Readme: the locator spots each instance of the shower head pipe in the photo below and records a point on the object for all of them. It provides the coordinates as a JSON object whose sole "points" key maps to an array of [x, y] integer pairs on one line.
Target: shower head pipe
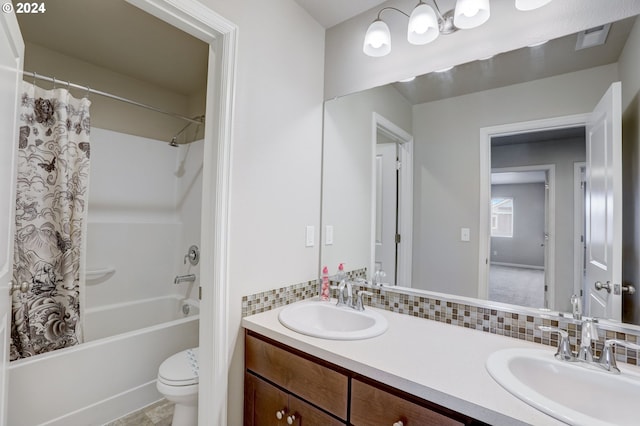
{"points": [[174, 139]]}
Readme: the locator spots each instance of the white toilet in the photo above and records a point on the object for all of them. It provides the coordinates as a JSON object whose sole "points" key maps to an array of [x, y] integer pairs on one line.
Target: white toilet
{"points": [[178, 382]]}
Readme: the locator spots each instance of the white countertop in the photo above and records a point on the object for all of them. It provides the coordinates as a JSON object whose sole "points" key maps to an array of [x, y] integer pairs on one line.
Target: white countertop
{"points": [[438, 362]]}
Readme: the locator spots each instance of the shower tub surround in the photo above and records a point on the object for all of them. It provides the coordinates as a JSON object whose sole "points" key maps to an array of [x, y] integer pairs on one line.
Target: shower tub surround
{"points": [[497, 319], [76, 386]]}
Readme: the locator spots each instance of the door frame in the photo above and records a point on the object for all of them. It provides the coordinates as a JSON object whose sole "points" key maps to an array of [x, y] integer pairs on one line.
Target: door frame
{"points": [[405, 195], [486, 133], [578, 226], [205, 24], [550, 224], [11, 30]]}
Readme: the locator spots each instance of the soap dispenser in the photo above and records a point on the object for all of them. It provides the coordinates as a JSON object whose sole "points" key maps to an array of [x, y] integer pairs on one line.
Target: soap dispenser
{"points": [[324, 289]]}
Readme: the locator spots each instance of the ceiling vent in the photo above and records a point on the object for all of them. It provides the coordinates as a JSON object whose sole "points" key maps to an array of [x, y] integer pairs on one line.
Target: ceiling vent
{"points": [[592, 37]]}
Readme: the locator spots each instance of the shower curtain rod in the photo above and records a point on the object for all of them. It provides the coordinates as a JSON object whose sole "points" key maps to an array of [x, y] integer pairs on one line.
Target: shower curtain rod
{"points": [[109, 95]]}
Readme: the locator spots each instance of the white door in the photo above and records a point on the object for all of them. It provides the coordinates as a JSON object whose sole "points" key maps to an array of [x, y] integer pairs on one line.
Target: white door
{"points": [[603, 213], [386, 209], [11, 57]]}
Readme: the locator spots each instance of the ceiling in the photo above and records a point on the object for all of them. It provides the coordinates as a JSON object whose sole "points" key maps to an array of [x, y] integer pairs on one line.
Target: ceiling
{"points": [[556, 57], [332, 12], [114, 35], [117, 36]]}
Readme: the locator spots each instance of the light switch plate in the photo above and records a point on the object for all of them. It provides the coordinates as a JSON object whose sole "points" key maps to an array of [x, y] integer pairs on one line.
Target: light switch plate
{"points": [[465, 234], [310, 236], [328, 239]]}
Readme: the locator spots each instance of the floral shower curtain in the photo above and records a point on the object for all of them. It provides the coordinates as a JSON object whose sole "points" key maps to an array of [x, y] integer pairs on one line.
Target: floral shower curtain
{"points": [[51, 209]]}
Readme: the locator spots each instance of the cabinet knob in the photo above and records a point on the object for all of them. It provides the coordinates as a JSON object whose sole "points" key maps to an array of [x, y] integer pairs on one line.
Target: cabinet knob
{"points": [[398, 423], [279, 414], [291, 419]]}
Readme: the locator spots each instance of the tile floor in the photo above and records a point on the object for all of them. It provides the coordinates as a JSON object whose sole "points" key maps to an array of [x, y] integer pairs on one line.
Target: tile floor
{"points": [[158, 414]]}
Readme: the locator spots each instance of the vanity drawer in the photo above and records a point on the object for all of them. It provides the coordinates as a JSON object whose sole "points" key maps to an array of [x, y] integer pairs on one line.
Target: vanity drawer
{"points": [[373, 406], [326, 388]]}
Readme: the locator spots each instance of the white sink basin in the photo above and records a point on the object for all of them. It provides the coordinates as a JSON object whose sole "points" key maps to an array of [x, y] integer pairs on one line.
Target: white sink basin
{"points": [[575, 393], [327, 321]]}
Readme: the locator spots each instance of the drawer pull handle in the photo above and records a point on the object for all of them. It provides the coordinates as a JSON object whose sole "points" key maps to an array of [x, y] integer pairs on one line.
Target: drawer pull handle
{"points": [[279, 414], [398, 423], [291, 419]]}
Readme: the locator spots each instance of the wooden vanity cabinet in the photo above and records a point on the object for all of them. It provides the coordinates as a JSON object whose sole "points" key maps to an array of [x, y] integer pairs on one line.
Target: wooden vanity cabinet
{"points": [[266, 405], [279, 379], [371, 405], [316, 394]]}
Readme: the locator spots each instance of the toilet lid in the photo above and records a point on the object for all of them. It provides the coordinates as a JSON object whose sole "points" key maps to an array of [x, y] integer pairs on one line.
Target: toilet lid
{"points": [[180, 369]]}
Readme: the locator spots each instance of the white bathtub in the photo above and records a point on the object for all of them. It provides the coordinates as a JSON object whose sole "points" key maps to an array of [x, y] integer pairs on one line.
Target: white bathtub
{"points": [[110, 375]]}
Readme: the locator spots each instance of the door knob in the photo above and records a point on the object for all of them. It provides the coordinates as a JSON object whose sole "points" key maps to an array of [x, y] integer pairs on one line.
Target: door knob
{"points": [[605, 286], [629, 289], [280, 414], [291, 419]]}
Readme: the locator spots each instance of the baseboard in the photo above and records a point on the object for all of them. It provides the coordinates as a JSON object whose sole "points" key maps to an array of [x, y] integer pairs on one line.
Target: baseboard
{"points": [[112, 408], [518, 265]]}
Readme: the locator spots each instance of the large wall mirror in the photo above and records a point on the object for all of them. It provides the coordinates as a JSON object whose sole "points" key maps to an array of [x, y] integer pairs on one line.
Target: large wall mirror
{"points": [[475, 181]]}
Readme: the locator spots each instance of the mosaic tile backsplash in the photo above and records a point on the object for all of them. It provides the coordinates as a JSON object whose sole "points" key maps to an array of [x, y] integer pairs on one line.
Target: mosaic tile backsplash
{"points": [[523, 326]]}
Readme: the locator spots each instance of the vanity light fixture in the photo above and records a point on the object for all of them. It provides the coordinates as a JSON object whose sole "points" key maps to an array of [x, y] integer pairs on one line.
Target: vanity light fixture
{"points": [[427, 22]]}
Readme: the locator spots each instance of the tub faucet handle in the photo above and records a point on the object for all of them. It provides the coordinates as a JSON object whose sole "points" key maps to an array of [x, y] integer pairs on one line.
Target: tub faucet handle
{"points": [[193, 255]]}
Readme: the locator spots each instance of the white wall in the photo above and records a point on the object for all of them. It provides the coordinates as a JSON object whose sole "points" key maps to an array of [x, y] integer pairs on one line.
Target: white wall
{"points": [[141, 216], [277, 140], [629, 65], [446, 156], [348, 69], [348, 162], [112, 114]]}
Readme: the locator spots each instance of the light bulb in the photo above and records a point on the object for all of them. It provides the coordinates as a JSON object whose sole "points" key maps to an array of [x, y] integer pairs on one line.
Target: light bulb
{"points": [[377, 41], [471, 13], [423, 25]]}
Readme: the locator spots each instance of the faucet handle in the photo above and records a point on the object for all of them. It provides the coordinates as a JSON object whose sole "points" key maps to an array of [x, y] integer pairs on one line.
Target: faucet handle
{"points": [[359, 302], [607, 359], [341, 300], [564, 352]]}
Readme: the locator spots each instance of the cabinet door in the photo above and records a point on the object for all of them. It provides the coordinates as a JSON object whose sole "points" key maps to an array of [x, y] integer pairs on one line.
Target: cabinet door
{"points": [[307, 415], [323, 386], [263, 402], [373, 406]]}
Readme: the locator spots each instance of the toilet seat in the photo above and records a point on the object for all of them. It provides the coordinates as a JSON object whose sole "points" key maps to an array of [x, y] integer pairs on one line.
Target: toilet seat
{"points": [[180, 369]]}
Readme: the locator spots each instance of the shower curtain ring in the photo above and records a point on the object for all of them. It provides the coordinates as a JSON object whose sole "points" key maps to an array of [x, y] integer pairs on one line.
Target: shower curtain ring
{"points": [[88, 91], [54, 83], [35, 76], [68, 85]]}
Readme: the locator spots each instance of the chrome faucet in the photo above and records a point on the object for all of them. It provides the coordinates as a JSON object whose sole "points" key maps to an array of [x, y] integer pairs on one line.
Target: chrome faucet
{"points": [[184, 279], [589, 334], [356, 303], [607, 359], [576, 304]]}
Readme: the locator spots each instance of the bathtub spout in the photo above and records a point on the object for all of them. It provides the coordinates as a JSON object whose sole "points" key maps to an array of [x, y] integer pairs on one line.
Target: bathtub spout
{"points": [[184, 279]]}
